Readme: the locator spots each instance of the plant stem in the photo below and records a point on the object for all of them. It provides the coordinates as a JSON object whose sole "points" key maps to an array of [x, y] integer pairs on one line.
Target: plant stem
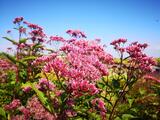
{"points": [[113, 109]]}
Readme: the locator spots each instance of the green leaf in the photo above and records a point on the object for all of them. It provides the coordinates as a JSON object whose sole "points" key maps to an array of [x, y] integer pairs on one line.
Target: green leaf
{"points": [[116, 83], [142, 91], [28, 58], [13, 59], [37, 46], [2, 113], [117, 118], [10, 57], [130, 101], [13, 41], [42, 97], [101, 85], [127, 116]]}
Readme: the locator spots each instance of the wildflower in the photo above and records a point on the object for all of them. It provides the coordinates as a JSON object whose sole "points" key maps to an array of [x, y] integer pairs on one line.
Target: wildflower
{"points": [[100, 106], [37, 111], [45, 84], [82, 87], [57, 38], [18, 20], [26, 113], [13, 105], [22, 30], [76, 33], [26, 89]]}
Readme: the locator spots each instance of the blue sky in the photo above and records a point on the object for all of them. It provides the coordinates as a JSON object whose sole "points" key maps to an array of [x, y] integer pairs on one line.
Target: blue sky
{"points": [[136, 20]]}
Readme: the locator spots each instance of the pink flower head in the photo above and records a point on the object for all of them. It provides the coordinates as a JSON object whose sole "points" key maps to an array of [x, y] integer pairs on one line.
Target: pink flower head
{"points": [[100, 106], [25, 112], [32, 26], [82, 87], [46, 84], [57, 38], [57, 65], [76, 33], [38, 111], [13, 105], [22, 30], [44, 59], [37, 33], [18, 20], [26, 89], [119, 41], [70, 113]]}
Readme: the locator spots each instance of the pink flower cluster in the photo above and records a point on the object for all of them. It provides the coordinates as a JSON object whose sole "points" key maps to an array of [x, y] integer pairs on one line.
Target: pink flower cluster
{"points": [[13, 105], [44, 59], [45, 84], [136, 56], [57, 38], [32, 26], [36, 32], [87, 60], [100, 105], [140, 60], [57, 65], [22, 30], [76, 33], [26, 89], [37, 111], [5, 65], [117, 44], [81, 63], [18, 20], [80, 88], [26, 113]]}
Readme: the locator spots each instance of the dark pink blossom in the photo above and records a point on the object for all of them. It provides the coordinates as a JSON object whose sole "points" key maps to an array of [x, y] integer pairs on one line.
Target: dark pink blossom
{"points": [[13, 105], [45, 84], [26, 113], [76, 33], [18, 20], [26, 89], [22, 30], [37, 110], [80, 88], [57, 38], [100, 106]]}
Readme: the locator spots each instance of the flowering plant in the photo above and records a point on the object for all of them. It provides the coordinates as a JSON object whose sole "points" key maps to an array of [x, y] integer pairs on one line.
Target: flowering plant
{"points": [[79, 80]]}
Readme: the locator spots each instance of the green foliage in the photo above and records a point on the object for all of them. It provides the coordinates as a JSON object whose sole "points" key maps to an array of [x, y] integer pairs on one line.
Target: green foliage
{"points": [[2, 114], [12, 41]]}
